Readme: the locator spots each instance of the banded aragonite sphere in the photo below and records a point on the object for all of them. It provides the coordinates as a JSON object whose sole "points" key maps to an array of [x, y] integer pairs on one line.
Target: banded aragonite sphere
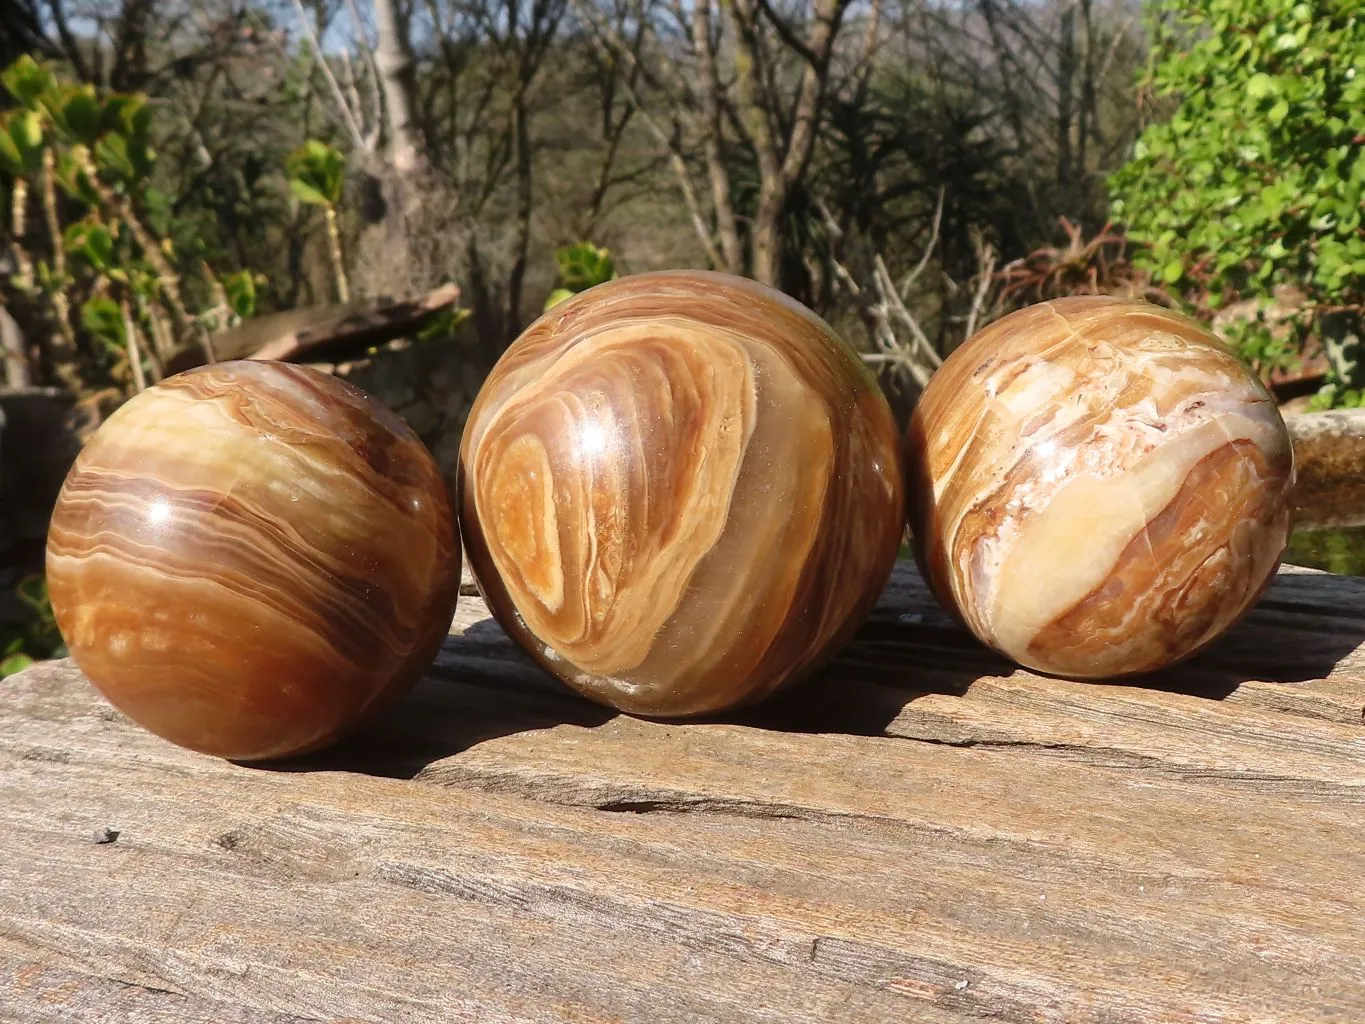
{"points": [[251, 558], [1097, 487], [679, 491]]}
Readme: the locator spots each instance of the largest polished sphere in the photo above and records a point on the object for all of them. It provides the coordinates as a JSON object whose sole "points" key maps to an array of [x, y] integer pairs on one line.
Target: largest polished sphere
{"points": [[250, 558], [1098, 487], [679, 491]]}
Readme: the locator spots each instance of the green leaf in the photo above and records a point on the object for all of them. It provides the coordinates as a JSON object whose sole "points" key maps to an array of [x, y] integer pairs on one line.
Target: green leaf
{"points": [[307, 193], [92, 243], [1256, 176], [111, 153], [21, 142], [159, 209], [445, 323], [14, 664], [317, 173], [32, 591], [557, 296], [27, 132], [584, 266], [128, 114], [1260, 86], [27, 80], [77, 113], [73, 180], [10, 160], [103, 318], [241, 293]]}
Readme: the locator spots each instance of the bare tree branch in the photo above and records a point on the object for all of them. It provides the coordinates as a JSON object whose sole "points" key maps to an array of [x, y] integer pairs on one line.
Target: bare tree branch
{"points": [[343, 108], [882, 309], [709, 85], [787, 33], [610, 42], [985, 277], [914, 274]]}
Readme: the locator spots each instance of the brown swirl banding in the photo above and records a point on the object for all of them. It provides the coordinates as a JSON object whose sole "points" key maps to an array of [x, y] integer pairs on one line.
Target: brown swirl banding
{"points": [[680, 491], [252, 557], [1098, 487]]}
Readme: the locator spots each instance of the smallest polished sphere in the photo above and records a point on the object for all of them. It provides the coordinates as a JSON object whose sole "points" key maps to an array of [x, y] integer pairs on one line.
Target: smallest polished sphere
{"points": [[1098, 487], [251, 558]]}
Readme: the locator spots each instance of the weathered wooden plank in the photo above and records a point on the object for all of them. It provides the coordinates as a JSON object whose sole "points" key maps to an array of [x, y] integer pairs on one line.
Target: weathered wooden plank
{"points": [[35, 994], [918, 834], [295, 892], [392, 901]]}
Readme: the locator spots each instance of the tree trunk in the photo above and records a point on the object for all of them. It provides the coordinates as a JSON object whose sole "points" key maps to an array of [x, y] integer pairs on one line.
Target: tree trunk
{"points": [[522, 142], [484, 300], [393, 55], [810, 101], [767, 242], [709, 86], [1013, 89], [1088, 116], [782, 165], [1066, 77], [754, 112], [136, 22]]}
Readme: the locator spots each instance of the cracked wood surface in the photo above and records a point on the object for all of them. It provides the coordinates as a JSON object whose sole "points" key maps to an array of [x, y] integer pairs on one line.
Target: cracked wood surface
{"points": [[919, 834]]}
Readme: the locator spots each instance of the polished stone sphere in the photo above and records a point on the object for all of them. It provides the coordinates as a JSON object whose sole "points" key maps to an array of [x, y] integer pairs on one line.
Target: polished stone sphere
{"points": [[251, 558], [679, 491], [1097, 487]]}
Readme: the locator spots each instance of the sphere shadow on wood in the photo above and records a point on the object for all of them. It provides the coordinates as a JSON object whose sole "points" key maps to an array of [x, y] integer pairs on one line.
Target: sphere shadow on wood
{"points": [[1097, 487], [251, 558], [679, 491]]}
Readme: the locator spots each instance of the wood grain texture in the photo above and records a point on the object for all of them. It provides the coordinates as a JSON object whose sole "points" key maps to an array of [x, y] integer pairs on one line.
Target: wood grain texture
{"points": [[680, 491], [317, 333], [1098, 487], [919, 833], [251, 557]]}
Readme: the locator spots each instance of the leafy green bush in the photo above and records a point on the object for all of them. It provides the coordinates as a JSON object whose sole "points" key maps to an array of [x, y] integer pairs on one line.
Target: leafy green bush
{"points": [[105, 269], [1256, 179], [581, 267]]}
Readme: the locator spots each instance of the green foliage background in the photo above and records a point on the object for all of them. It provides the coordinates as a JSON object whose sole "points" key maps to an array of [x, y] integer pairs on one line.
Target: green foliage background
{"points": [[1256, 178]]}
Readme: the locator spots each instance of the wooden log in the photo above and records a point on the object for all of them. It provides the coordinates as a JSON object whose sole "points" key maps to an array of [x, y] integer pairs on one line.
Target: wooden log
{"points": [[328, 333], [920, 833]]}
